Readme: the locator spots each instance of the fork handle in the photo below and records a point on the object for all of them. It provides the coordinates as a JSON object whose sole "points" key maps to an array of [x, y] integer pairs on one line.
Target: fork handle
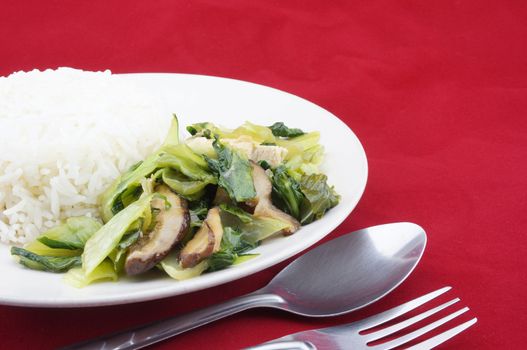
{"points": [[284, 345], [160, 330]]}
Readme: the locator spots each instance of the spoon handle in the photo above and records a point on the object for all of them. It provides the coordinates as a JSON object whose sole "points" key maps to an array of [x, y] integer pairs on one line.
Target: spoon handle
{"points": [[284, 345], [154, 332]]}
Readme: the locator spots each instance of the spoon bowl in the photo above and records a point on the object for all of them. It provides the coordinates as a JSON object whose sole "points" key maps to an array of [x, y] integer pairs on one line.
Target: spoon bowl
{"points": [[337, 277], [349, 272]]}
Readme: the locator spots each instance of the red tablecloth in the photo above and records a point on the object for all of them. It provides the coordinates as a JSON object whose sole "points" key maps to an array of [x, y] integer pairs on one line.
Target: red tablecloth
{"points": [[435, 90]]}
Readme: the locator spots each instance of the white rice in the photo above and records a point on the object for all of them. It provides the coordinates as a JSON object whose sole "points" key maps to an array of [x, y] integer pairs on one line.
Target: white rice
{"points": [[65, 135]]}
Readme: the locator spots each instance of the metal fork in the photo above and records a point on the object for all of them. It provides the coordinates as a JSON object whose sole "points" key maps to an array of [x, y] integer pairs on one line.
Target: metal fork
{"points": [[348, 336]]}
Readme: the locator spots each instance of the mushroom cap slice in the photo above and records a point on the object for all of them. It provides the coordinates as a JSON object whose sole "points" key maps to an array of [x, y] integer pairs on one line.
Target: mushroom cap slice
{"points": [[205, 242], [171, 225], [221, 197], [263, 205]]}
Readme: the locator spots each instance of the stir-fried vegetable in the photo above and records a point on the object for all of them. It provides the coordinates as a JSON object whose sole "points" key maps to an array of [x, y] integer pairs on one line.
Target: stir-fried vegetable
{"points": [[183, 185], [108, 237], [45, 263], [73, 234], [172, 267], [127, 188], [281, 130], [105, 271], [242, 215], [320, 197], [233, 245], [193, 207], [41, 249], [252, 229], [306, 200], [286, 192], [234, 173], [258, 133]]}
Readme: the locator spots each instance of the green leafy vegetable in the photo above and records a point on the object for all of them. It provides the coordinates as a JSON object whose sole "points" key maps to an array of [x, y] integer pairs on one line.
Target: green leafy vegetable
{"points": [[199, 128], [243, 258], [78, 278], [42, 249], [72, 234], [286, 192], [255, 230], [281, 130], [305, 163], [45, 263], [132, 235], [258, 133], [185, 152], [118, 255], [185, 166], [234, 172], [183, 185], [129, 239], [244, 216], [173, 157], [232, 245], [264, 164], [101, 244], [198, 211], [128, 184], [261, 228], [221, 260], [320, 197], [235, 241], [206, 173], [173, 268], [172, 138], [300, 144], [201, 147], [128, 196]]}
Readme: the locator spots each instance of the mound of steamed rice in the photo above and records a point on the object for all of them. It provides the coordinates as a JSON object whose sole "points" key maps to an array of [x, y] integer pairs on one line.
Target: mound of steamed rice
{"points": [[66, 135]]}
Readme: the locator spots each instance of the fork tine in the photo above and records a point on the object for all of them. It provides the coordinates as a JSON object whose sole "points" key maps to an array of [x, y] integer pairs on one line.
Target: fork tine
{"points": [[411, 336], [443, 337], [401, 325], [386, 316]]}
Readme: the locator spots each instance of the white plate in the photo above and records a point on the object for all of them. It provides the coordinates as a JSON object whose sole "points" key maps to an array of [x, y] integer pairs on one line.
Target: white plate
{"points": [[227, 102]]}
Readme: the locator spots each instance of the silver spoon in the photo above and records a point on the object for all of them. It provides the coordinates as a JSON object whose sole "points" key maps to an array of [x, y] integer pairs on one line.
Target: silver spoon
{"points": [[340, 276]]}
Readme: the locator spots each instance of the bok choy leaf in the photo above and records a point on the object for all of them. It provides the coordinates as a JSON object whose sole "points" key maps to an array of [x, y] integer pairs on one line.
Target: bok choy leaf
{"points": [[78, 278], [173, 268], [286, 192], [126, 188], [233, 244], [72, 234], [281, 130], [244, 216], [45, 263], [320, 197], [234, 173], [101, 244]]}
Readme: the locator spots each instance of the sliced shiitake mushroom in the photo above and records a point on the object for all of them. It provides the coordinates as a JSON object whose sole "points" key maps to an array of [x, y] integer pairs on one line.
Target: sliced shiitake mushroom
{"points": [[171, 225], [221, 197], [263, 205], [205, 242]]}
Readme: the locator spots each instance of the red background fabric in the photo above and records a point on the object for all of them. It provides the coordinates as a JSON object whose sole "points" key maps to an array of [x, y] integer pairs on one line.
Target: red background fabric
{"points": [[435, 90]]}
